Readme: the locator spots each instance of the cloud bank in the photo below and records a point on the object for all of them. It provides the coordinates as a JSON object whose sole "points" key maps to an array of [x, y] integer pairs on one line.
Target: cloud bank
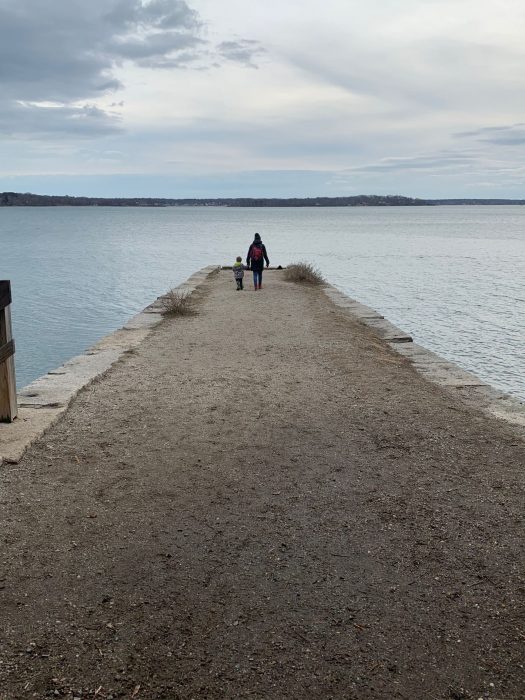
{"points": [[57, 58], [397, 96]]}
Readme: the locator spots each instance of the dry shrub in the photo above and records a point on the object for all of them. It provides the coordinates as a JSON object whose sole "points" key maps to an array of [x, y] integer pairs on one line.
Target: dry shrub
{"points": [[177, 303], [304, 273]]}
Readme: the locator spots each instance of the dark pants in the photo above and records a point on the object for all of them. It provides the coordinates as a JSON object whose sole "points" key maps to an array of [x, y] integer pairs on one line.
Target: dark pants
{"points": [[239, 283]]}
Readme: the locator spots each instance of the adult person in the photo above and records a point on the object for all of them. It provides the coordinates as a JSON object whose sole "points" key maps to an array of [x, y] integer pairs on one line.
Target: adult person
{"points": [[255, 260]]}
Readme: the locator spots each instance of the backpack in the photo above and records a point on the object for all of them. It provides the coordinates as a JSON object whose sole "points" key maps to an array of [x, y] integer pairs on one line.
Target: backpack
{"points": [[256, 253]]}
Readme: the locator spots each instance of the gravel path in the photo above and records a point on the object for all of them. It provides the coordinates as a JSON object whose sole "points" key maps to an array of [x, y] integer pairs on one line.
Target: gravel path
{"points": [[263, 501]]}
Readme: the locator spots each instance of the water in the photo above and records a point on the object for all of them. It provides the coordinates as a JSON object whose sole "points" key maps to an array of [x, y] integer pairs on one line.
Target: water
{"points": [[451, 276]]}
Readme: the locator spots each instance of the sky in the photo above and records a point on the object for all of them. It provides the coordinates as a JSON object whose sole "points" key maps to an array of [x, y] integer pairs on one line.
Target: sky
{"points": [[243, 98]]}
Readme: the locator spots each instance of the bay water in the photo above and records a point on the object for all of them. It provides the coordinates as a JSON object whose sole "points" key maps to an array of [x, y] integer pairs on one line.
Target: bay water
{"points": [[453, 277]]}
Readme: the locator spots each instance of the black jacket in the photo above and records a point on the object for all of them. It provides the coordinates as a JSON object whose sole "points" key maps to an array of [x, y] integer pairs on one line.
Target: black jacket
{"points": [[257, 265]]}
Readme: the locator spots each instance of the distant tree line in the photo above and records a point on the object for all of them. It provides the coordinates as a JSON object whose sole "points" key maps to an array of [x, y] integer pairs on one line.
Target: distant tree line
{"points": [[17, 199]]}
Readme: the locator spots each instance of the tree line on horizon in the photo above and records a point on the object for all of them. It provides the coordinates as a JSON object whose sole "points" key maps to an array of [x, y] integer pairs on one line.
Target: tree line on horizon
{"points": [[27, 199]]}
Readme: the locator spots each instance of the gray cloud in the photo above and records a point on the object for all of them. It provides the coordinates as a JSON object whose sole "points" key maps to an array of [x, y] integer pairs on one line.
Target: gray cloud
{"points": [[159, 45], [160, 14], [241, 51], [438, 161], [473, 169], [512, 135], [28, 120], [64, 53]]}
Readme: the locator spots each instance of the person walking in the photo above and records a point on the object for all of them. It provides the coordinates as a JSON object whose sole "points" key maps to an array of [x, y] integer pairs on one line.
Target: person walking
{"points": [[255, 260], [238, 272]]}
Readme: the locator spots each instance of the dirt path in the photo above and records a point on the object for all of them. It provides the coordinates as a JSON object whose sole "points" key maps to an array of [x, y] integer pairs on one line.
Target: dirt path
{"points": [[264, 502]]}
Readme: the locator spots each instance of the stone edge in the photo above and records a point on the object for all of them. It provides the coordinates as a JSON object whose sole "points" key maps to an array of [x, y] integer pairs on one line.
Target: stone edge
{"points": [[472, 390], [41, 403]]}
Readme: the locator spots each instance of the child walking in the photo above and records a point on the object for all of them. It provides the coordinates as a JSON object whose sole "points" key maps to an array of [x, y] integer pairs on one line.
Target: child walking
{"points": [[238, 272]]}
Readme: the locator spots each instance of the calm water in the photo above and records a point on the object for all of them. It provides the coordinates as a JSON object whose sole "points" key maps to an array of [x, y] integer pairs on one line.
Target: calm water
{"points": [[452, 276]]}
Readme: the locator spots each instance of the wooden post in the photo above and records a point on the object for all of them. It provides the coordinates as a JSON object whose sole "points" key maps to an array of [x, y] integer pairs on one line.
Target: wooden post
{"points": [[8, 406]]}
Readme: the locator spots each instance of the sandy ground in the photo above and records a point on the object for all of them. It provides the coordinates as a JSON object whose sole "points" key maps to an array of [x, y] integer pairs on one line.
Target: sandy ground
{"points": [[263, 501]]}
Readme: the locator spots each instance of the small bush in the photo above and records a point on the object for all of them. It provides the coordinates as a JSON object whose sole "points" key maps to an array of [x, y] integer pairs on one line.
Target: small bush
{"points": [[304, 273], [177, 303]]}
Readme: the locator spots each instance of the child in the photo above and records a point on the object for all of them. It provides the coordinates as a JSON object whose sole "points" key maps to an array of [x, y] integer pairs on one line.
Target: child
{"points": [[238, 272]]}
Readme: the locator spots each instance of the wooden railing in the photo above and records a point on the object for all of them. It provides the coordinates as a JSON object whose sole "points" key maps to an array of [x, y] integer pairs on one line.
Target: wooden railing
{"points": [[8, 406]]}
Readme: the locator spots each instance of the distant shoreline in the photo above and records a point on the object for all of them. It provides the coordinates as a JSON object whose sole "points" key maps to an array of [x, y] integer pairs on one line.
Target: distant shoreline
{"points": [[16, 199]]}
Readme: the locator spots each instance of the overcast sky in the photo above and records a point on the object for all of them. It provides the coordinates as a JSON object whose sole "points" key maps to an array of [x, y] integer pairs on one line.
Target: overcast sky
{"points": [[248, 98]]}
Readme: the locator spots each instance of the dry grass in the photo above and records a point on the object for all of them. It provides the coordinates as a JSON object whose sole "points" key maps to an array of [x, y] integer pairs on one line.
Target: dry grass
{"points": [[177, 303], [303, 273]]}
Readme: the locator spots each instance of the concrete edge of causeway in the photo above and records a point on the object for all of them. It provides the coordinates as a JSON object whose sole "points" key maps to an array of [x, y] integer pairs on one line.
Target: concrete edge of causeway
{"points": [[470, 388]]}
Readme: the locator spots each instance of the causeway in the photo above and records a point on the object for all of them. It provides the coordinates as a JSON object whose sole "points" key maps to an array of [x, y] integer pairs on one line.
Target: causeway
{"points": [[264, 500]]}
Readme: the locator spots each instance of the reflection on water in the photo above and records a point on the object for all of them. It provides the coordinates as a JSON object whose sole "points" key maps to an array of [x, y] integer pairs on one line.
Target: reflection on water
{"points": [[451, 276]]}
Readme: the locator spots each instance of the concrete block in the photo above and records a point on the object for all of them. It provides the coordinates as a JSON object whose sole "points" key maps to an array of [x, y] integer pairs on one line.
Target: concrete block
{"points": [[387, 331], [145, 319]]}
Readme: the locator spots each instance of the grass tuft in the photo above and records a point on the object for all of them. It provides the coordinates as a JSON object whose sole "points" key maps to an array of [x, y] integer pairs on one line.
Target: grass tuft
{"points": [[303, 273], [177, 303]]}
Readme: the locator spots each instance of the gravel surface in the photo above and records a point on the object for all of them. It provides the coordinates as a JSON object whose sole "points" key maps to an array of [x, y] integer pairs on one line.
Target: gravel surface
{"points": [[263, 501]]}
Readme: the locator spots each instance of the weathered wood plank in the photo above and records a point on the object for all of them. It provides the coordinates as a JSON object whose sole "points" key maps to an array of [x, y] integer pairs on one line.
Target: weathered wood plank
{"points": [[5, 293], [7, 350], [8, 404]]}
